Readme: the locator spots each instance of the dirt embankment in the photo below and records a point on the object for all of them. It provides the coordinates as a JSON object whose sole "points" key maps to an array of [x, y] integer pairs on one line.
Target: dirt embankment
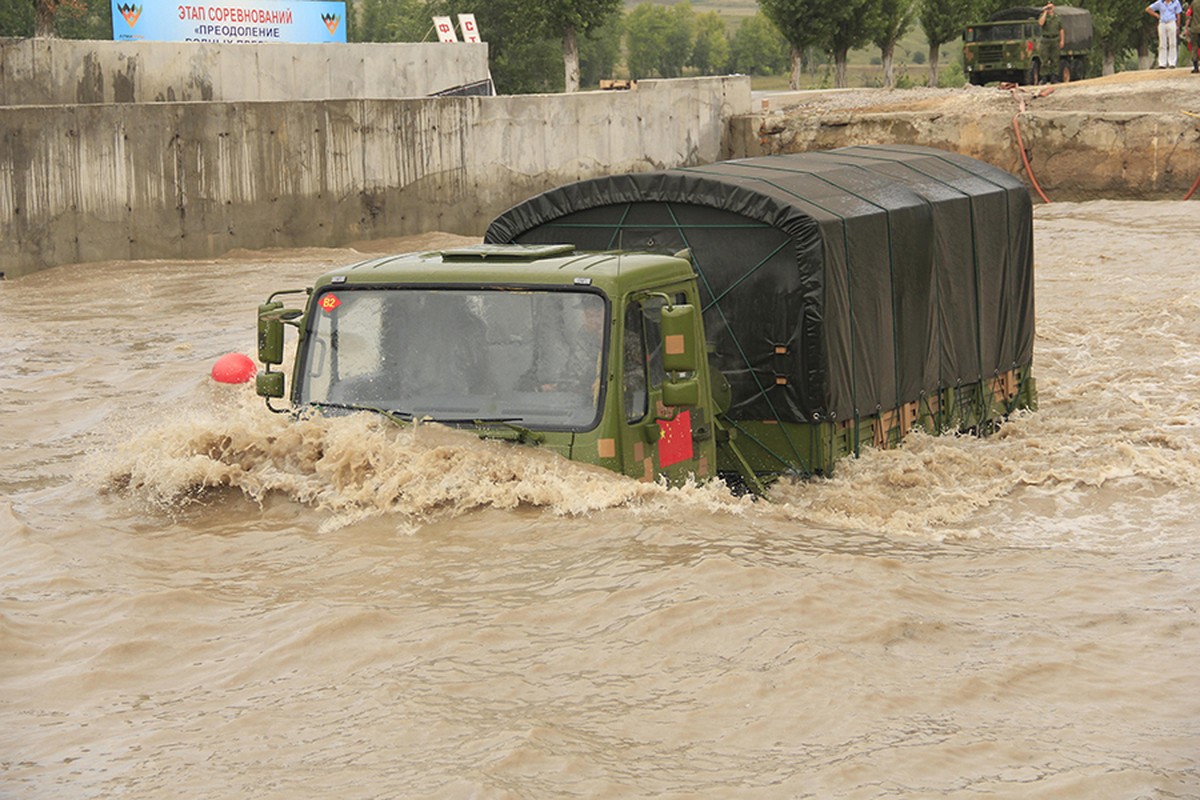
{"points": [[1133, 135]]}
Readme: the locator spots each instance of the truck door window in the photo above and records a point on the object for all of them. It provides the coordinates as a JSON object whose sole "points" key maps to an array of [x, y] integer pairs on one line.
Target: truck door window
{"points": [[635, 387], [643, 354]]}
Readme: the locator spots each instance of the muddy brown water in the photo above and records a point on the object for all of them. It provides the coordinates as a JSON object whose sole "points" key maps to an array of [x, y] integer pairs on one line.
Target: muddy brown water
{"points": [[202, 599]]}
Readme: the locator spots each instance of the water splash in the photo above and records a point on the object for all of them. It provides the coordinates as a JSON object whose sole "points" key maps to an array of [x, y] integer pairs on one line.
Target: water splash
{"points": [[363, 465]]}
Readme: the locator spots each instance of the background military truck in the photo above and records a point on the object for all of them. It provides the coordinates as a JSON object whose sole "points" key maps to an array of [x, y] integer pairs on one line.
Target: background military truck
{"points": [[746, 319], [1005, 48]]}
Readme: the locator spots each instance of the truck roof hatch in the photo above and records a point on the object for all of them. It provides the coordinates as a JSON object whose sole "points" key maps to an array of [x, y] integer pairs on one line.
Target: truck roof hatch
{"points": [[507, 252]]}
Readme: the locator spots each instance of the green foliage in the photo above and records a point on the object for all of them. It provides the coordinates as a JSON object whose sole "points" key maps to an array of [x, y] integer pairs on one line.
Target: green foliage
{"points": [[1117, 26], [582, 15], [73, 19], [659, 39], [943, 20], [952, 75], [680, 40], [803, 23], [711, 52], [985, 8], [391, 20], [600, 51], [16, 18], [84, 19], [759, 48], [895, 17], [854, 23], [524, 46], [645, 28]]}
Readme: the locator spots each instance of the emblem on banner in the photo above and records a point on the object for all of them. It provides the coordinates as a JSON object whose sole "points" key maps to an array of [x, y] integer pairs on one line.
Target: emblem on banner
{"points": [[130, 12]]}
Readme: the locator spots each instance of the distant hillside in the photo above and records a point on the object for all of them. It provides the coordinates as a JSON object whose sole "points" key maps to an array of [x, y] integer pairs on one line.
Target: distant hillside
{"points": [[726, 8]]}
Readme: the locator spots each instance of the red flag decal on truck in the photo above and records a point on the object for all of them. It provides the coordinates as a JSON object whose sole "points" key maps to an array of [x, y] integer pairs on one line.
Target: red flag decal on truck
{"points": [[675, 445]]}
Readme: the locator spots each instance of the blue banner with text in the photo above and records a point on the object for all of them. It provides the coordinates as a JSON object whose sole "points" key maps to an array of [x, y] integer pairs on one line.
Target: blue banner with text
{"points": [[298, 21]]}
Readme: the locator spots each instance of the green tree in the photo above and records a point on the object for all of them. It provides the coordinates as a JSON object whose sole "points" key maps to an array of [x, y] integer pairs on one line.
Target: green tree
{"points": [[710, 54], [895, 18], [645, 35], [854, 23], [44, 12], [570, 18], [391, 20], [681, 39], [758, 48], [600, 51], [1117, 26], [523, 50], [942, 21], [67, 19], [805, 24], [658, 39], [16, 18], [85, 19]]}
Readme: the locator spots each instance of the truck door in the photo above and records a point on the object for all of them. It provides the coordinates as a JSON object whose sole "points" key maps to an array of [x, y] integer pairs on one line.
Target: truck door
{"points": [[657, 441]]}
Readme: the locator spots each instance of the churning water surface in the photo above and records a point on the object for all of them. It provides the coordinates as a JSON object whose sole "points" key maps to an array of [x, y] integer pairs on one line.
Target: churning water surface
{"points": [[201, 599]]}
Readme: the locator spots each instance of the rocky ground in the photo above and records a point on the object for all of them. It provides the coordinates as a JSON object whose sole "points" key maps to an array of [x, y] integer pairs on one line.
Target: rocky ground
{"points": [[1132, 135], [1142, 91]]}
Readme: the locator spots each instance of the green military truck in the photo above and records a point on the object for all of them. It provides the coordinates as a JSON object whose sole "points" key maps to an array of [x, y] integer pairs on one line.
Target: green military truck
{"points": [[1005, 48], [747, 319]]}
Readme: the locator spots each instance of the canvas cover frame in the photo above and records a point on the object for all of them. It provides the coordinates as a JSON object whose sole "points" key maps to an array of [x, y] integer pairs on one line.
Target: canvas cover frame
{"points": [[834, 284]]}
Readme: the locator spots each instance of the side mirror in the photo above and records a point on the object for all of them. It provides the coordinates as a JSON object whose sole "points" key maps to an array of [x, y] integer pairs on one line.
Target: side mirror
{"points": [[681, 393], [269, 385], [270, 333], [271, 319], [681, 350]]}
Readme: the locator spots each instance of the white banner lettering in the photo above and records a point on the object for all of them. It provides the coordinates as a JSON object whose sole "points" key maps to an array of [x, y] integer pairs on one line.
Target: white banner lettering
{"points": [[445, 29], [470, 31]]}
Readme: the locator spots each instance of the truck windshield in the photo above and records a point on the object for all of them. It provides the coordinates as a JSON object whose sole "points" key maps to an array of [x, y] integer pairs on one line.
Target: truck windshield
{"points": [[1004, 32], [529, 358]]}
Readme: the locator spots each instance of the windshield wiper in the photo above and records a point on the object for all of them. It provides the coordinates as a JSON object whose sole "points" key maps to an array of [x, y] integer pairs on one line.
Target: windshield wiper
{"points": [[522, 434], [395, 416]]}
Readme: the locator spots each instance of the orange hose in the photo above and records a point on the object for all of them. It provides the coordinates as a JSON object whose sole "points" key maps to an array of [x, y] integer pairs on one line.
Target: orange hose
{"points": [[1192, 191], [1029, 169]]}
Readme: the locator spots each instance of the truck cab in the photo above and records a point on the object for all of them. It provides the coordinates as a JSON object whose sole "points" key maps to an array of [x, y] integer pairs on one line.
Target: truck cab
{"points": [[1002, 50], [597, 356], [1005, 46]]}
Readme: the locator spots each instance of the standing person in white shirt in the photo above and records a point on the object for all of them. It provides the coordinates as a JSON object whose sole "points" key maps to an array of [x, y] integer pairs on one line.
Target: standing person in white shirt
{"points": [[1167, 13]]}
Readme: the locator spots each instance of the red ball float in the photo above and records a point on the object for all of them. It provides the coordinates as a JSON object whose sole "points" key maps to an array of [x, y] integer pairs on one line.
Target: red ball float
{"points": [[233, 368]]}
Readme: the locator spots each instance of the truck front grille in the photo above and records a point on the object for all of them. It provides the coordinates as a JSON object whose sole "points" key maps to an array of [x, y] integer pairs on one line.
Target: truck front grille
{"points": [[991, 52]]}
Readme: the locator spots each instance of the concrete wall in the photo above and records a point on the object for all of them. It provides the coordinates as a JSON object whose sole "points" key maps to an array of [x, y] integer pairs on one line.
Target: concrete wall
{"points": [[65, 72], [188, 180]]}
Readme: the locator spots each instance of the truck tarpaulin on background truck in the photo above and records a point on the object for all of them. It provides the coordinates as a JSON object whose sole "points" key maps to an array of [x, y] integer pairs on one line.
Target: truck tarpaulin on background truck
{"points": [[835, 284], [230, 21]]}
